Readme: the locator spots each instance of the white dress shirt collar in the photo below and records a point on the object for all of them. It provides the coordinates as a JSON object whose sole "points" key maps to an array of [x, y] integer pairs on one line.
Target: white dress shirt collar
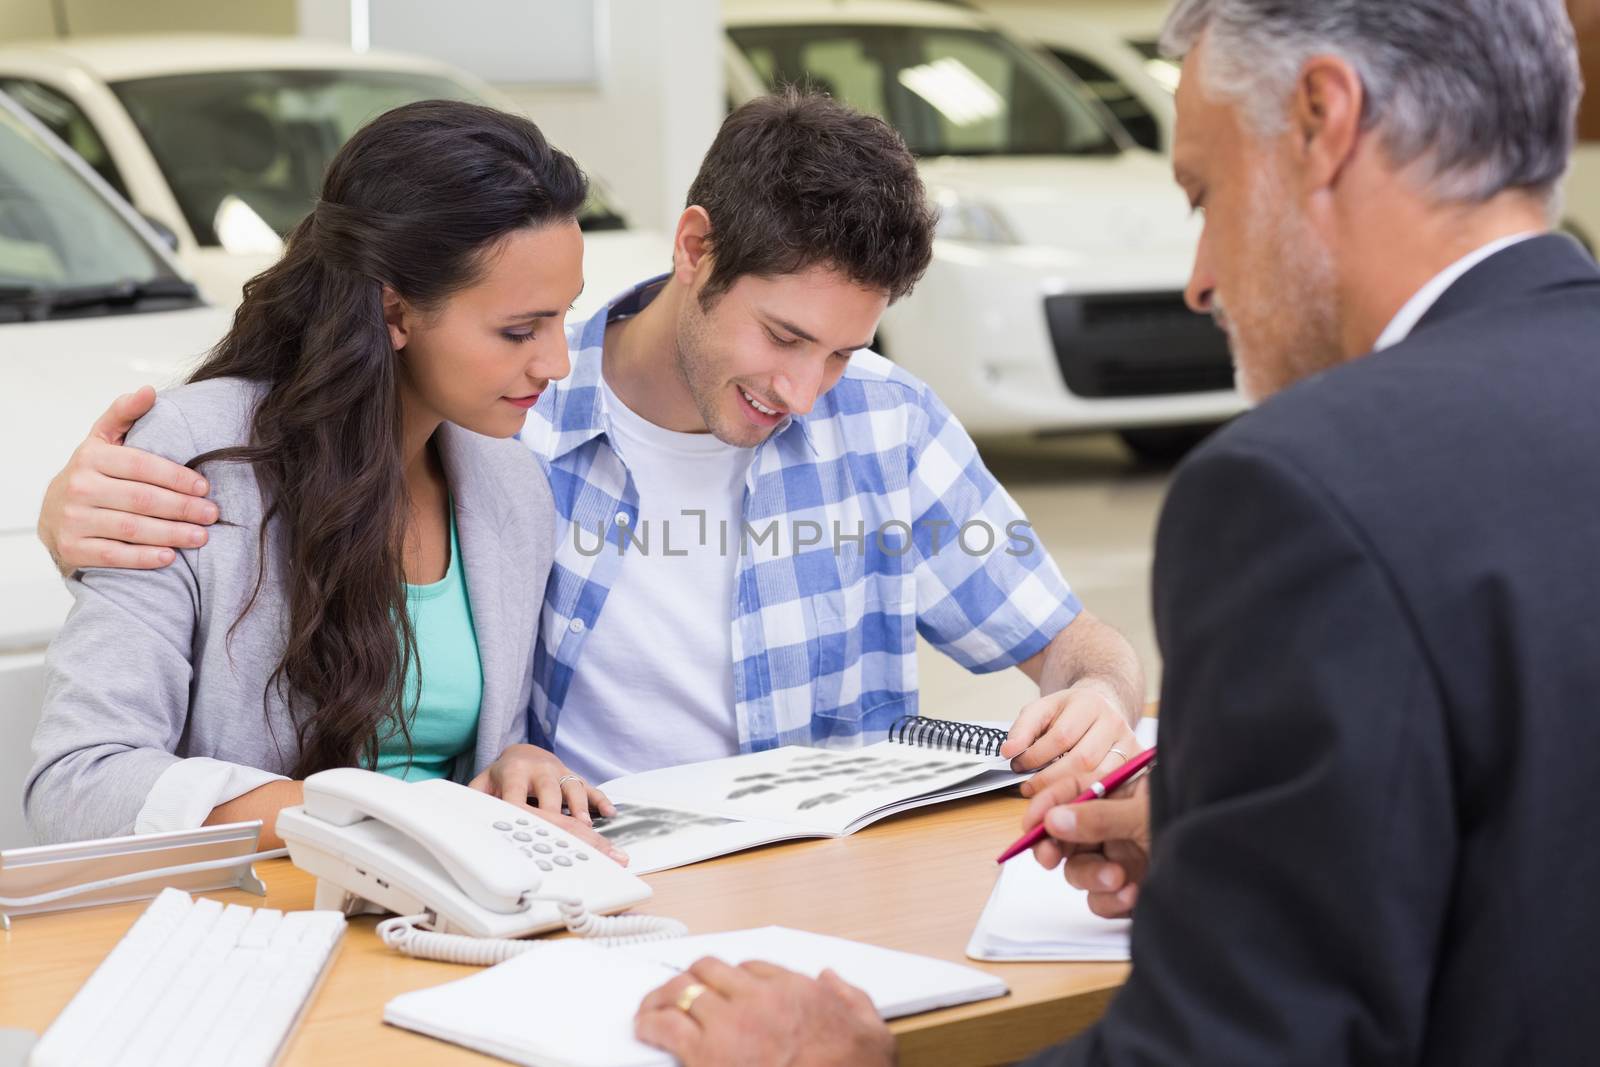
{"points": [[1406, 320]]}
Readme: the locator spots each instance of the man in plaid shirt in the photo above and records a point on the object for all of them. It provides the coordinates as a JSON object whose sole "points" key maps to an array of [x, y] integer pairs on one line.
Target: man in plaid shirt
{"points": [[757, 515]]}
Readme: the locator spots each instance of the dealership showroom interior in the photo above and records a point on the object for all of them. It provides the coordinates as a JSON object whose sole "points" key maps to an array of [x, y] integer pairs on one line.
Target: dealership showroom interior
{"points": [[614, 533]]}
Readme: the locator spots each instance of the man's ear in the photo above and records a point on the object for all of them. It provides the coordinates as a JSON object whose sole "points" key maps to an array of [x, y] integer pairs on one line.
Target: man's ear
{"points": [[1326, 118], [691, 244], [397, 317]]}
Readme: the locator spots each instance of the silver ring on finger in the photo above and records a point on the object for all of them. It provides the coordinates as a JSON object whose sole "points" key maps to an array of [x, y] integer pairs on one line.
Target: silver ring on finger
{"points": [[565, 778], [1115, 751]]}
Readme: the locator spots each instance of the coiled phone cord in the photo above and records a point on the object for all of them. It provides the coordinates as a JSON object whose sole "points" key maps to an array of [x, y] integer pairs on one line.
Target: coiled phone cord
{"points": [[403, 932]]}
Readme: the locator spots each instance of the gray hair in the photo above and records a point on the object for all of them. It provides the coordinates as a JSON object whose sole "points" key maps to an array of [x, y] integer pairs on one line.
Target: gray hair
{"points": [[1481, 94]]}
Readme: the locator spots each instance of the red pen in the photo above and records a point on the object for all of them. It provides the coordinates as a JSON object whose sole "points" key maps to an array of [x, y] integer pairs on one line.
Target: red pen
{"points": [[1109, 784]]}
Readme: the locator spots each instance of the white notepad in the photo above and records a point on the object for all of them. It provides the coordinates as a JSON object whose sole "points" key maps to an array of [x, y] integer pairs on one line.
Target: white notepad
{"points": [[571, 1004], [1033, 914]]}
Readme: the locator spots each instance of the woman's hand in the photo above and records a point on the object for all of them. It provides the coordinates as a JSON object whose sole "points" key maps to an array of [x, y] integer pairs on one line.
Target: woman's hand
{"points": [[528, 771], [531, 777]]}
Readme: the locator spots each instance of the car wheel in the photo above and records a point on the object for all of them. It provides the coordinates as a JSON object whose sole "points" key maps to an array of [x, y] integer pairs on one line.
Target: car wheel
{"points": [[1164, 445]]}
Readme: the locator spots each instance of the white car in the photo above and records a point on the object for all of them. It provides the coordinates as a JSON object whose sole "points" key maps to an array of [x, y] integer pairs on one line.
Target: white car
{"points": [[1115, 53], [91, 304], [1055, 298], [1134, 85], [222, 141]]}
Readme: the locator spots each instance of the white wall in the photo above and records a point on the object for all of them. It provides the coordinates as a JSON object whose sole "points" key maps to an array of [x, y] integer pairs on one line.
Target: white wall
{"points": [[644, 130]]}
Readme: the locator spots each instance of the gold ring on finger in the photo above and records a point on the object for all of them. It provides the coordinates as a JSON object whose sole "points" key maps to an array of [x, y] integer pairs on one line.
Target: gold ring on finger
{"points": [[690, 994]]}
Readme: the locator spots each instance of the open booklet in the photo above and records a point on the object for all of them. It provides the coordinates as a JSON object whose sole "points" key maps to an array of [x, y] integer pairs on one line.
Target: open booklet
{"points": [[680, 815]]}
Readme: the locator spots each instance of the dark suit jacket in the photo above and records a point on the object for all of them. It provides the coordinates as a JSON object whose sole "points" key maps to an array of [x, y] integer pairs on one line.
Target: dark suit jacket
{"points": [[1377, 829]]}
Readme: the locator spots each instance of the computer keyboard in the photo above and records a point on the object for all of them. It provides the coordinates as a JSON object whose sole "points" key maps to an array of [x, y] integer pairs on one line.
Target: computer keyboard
{"points": [[195, 982]]}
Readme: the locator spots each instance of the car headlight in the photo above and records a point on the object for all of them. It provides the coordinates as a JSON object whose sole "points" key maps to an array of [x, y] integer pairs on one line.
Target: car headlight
{"points": [[963, 218]]}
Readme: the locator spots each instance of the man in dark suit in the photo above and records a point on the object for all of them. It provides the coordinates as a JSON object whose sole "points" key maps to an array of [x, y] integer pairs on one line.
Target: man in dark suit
{"points": [[1376, 595]]}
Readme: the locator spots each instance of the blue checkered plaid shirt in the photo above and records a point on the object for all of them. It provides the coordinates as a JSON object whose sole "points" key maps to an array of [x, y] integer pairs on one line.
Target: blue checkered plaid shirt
{"points": [[867, 521]]}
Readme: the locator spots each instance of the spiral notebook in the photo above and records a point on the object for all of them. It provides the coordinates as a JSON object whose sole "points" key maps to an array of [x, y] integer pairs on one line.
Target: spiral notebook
{"points": [[681, 815]]}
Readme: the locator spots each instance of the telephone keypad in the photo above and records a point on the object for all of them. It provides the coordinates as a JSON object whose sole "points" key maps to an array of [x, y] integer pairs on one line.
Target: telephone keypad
{"points": [[563, 861], [542, 847], [581, 855], [502, 826], [561, 844], [521, 836]]}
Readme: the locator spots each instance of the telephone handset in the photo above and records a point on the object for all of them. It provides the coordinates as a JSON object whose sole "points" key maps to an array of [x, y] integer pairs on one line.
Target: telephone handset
{"points": [[454, 860]]}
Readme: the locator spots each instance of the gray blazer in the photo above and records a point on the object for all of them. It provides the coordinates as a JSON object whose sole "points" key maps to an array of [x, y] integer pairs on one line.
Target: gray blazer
{"points": [[144, 673]]}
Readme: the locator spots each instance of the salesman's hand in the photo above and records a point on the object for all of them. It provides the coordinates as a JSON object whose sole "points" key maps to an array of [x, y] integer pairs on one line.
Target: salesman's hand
{"points": [[114, 506], [1105, 843], [760, 1015], [1079, 733]]}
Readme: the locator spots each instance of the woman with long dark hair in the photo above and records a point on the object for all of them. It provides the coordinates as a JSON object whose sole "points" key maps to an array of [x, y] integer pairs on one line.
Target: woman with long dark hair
{"points": [[371, 596]]}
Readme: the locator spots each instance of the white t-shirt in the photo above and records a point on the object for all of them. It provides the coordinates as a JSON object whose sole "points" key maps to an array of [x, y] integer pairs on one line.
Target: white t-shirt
{"points": [[655, 686]]}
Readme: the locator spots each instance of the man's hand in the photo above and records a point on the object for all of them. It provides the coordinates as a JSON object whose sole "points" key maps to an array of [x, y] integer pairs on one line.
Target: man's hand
{"points": [[1069, 736], [760, 1014], [114, 506], [1105, 843]]}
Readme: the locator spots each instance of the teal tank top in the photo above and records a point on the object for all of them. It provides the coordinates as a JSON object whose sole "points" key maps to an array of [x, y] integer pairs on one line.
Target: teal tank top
{"points": [[445, 723]]}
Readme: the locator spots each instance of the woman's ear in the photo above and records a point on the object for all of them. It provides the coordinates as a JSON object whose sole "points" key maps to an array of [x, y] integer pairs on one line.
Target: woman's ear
{"points": [[397, 317]]}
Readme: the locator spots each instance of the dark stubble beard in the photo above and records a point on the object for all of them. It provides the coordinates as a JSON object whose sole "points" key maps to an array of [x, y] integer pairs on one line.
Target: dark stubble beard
{"points": [[698, 371]]}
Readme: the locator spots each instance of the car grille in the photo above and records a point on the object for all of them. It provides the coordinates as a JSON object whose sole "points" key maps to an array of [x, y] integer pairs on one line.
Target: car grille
{"points": [[1136, 344]]}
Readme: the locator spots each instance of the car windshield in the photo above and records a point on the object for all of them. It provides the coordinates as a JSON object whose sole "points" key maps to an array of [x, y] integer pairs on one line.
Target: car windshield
{"points": [[950, 92], [57, 232], [244, 151]]}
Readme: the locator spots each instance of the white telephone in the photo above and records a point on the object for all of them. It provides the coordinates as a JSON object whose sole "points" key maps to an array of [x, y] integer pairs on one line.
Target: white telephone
{"points": [[450, 860]]}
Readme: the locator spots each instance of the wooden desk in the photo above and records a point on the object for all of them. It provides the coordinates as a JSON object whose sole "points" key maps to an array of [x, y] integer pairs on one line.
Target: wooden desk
{"points": [[915, 882]]}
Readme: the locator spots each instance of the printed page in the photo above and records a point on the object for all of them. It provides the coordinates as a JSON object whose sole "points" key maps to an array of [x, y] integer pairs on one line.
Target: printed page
{"points": [[657, 838], [823, 790], [986, 782]]}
